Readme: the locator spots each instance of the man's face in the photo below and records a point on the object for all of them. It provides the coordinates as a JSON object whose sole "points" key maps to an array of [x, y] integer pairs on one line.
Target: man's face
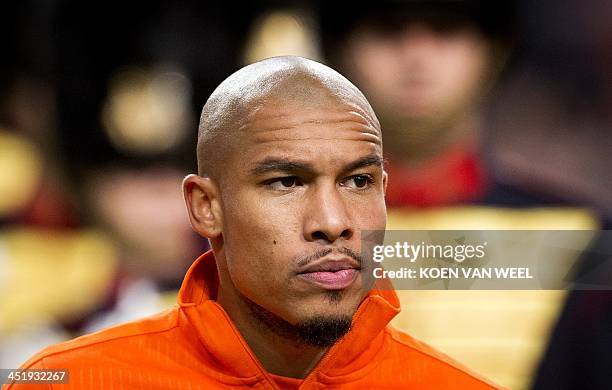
{"points": [[418, 74], [143, 208], [305, 181]]}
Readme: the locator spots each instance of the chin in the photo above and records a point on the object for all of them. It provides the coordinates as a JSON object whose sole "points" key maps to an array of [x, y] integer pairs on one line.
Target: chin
{"points": [[335, 303], [323, 331]]}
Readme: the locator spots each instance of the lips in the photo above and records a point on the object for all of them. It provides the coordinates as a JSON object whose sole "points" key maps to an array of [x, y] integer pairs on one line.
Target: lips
{"points": [[331, 274]]}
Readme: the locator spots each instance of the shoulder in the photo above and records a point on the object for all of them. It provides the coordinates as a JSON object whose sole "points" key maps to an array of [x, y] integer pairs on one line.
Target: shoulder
{"points": [[437, 363], [125, 340]]}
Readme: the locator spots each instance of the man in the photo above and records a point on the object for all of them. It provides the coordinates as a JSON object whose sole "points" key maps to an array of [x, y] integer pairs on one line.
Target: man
{"points": [[290, 173]]}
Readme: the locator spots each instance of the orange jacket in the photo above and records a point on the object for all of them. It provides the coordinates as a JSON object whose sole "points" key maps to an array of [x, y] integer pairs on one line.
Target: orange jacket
{"points": [[196, 346]]}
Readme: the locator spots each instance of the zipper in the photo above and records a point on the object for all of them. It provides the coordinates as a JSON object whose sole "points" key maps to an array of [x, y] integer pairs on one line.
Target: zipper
{"points": [[313, 374]]}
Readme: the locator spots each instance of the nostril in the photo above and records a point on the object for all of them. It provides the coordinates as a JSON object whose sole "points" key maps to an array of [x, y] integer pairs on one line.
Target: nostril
{"points": [[319, 235], [346, 234]]}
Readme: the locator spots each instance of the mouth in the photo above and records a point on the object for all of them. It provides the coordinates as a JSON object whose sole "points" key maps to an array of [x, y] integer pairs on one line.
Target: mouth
{"points": [[331, 274]]}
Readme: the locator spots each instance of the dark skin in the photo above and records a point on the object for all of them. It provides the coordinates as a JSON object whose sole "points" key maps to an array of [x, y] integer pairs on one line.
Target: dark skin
{"points": [[306, 177]]}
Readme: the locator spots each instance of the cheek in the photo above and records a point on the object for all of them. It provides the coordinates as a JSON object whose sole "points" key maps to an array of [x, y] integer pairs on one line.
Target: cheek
{"points": [[251, 217], [257, 241], [460, 70], [369, 213], [377, 216]]}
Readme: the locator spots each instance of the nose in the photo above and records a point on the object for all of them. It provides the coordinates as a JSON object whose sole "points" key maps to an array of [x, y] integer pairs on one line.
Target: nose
{"points": [[327, 218]]}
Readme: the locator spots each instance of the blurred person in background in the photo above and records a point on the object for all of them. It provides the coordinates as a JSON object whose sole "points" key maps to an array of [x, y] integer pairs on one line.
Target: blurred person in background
{"points": [[550, 118], [559, 100], [128, 102], [92, 152], [426, 66], [53, 268]]}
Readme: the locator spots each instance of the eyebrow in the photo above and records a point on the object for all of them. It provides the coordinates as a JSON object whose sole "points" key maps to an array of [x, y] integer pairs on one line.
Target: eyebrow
{"points": [[366, 161], [272, 164]]}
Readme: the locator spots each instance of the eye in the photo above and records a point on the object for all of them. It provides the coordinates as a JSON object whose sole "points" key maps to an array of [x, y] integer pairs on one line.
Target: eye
{"points": [[358, 181], [284, 183]]}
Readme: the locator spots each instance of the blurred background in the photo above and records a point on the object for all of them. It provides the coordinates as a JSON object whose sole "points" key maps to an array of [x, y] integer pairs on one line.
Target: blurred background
{"points": [[496, 115]]}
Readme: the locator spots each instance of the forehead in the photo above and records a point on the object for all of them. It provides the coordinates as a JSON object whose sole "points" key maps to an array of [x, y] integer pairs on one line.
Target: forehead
{"points": [[327, 130]]}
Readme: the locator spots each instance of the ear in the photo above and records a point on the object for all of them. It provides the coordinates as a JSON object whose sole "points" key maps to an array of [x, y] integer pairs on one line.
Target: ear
{"points": [[203, 205], [385, 179]]}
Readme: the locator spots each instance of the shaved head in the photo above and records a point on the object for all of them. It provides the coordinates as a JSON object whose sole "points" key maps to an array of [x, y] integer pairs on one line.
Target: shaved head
{"points": [[289, 80]]}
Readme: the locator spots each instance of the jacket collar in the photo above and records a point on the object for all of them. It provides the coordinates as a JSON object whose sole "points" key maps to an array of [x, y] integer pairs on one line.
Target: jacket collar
{"points": [[232, 355]]}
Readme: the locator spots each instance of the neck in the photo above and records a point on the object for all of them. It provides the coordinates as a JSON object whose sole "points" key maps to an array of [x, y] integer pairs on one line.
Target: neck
{"points": [[423, 141], [270, 338]]}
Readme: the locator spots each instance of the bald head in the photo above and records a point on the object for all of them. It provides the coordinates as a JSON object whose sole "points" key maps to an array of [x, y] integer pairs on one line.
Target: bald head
{"points": [[269, 83]]}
